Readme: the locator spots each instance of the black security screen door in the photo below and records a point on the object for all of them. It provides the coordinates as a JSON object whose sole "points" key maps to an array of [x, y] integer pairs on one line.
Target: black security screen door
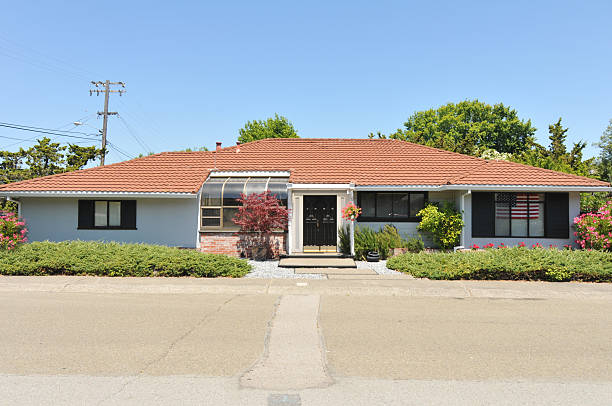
{"points": [[320, 223]]}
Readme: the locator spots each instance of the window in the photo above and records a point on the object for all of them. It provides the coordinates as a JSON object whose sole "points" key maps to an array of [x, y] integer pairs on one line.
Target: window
{"points": [[219, 203], [107, 214], [521, 214], [390, 206]]}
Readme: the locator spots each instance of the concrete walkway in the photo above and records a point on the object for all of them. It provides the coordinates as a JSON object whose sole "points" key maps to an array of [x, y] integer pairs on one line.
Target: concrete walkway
{"points": [[380, 285]]}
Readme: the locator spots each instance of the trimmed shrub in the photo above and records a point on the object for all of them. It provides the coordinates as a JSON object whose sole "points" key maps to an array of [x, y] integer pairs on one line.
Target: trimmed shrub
{"points": [[114, 259], [517, 263]]}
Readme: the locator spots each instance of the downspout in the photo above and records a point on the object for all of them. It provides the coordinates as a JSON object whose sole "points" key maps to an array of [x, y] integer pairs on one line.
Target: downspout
{"points": [[462, 204], [289, 220], [352, 223]]}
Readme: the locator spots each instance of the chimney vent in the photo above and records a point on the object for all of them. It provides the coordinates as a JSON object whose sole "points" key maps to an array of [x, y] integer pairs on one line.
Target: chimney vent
{"points": [[237, 146], [218, 145]]}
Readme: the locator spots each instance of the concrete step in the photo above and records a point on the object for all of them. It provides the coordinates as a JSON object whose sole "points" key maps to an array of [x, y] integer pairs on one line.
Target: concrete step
{"points": [[316, 262]]}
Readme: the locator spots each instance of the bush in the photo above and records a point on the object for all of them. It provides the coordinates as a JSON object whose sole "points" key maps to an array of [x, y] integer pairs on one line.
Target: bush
{"points": [[591, 202], [444, 223], [383, 241], [114, 259], [594, 230], [12, 231], [414, 244], [344, 234], [517, 263]]}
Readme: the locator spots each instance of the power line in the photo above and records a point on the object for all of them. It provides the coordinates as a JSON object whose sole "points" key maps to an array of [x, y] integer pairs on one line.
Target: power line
{"points": [[116, 148], [45, 129], [43, 132], [134, 135]]}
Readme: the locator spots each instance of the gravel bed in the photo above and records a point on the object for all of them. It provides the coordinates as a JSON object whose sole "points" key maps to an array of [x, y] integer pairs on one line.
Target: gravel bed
{"points": [[270, 269], [379, 267]]}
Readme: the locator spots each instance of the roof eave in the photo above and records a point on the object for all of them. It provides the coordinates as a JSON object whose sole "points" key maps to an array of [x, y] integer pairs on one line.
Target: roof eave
{"points": [[96, 194]]}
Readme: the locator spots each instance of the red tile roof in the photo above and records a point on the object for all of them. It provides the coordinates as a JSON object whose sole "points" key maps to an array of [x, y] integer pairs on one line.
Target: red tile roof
{"points": [[314, 160]]}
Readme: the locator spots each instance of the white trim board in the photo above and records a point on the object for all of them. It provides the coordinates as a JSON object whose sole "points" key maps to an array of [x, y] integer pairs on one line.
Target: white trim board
{"points": [[60, 193]]}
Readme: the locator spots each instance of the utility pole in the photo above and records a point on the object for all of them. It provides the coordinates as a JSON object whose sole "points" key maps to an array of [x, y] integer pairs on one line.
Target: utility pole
{"points": [[107, 91]]}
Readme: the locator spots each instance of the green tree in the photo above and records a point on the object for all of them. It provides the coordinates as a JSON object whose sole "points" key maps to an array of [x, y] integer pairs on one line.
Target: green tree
{"points": [[468, 127], [557, 140], [604, 161], [78, 156], [556, 157], [277, 127]]}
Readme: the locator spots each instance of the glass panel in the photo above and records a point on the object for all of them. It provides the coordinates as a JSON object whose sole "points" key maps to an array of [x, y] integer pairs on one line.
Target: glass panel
{"points": [[368, 204], [114, 214], [502, 213], [384, 205], [233, 188], [519, 214], [256, 185], [211, 222], [278, 187], [211, 192], [535, 214], [211, 212], [417, 203], [536, 219], [100, 214], [400, 205], [228, 215]]}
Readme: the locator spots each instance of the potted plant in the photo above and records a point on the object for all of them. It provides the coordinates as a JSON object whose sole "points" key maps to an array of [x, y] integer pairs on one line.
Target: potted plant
{"points": [[259, 215]]}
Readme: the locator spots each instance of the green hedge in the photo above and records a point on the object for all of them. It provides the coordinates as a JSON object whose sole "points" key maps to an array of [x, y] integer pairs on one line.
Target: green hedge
{"points": [[509, 264], [114, 259]]}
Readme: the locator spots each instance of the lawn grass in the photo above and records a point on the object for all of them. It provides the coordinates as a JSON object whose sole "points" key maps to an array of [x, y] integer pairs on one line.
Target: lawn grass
{"points": [[114, 259], [508, 264]]}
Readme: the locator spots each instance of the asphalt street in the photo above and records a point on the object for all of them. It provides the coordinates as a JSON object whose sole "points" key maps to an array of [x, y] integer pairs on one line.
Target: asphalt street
{"points": [[236, 342]]}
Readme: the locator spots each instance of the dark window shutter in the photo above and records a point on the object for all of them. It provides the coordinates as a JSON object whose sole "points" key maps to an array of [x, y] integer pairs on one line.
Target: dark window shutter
{"points": [[557, 215], [483, 214], [86, 213], [128, 214]]}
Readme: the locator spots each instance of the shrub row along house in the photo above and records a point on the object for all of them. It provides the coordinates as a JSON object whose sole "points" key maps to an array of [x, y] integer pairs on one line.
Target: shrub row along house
{"points": [[188, 199]]}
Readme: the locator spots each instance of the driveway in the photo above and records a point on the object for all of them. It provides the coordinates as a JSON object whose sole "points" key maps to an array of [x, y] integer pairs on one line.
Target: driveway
{"points": [[83, 340]]}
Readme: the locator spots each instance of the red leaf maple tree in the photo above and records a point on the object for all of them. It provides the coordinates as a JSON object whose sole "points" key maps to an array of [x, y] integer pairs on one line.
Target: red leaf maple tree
{"points": [[261, 213]]}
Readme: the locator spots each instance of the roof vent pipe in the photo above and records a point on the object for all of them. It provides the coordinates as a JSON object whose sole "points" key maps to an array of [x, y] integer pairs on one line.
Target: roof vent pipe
{"points": [[237, 146], [218, 145]]}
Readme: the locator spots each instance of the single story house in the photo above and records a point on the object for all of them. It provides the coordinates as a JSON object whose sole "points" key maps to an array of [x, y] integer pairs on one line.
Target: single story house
{"points": [[188, 199]]}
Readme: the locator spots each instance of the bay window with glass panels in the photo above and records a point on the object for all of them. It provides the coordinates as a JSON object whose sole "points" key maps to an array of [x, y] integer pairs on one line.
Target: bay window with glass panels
{"points": [[219, 200]]}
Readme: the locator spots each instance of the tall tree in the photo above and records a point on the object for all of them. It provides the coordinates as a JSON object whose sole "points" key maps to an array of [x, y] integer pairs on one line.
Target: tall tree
{"points": [[556, 157], [277, 127], [604, 161], [468, 127], [557, 140]]}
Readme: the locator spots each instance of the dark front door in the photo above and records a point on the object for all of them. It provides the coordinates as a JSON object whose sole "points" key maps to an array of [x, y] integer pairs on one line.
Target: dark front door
{"points": [[320, 223]]}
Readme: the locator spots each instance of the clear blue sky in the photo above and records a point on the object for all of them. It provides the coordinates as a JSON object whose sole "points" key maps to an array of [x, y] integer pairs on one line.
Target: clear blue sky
{"points": [[197, 71]]}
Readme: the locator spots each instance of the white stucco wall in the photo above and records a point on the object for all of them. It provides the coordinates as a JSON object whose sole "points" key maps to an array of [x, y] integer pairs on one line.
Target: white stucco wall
{"points": [[574, 211], [172, 222]]}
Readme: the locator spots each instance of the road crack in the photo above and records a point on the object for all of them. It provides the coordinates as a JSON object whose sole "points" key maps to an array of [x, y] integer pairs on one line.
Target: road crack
{"points": [[167, 352]]}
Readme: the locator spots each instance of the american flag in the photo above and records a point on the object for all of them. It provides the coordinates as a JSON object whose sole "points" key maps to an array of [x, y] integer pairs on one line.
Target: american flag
{"points": [[515, 204]]}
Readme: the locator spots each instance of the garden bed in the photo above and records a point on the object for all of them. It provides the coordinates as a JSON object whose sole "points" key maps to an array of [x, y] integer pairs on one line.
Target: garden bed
{"points": [[508, 264], [114, 259]]}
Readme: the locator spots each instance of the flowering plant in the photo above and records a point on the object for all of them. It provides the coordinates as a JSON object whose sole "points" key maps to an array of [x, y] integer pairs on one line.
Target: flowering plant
{"points": [[489, 245], [12, 231], [474, 246], [351, 212], [594, 230]]}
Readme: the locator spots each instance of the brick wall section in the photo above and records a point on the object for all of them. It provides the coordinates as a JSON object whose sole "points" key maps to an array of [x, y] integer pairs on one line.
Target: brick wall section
{"points": [[236, 245]]}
